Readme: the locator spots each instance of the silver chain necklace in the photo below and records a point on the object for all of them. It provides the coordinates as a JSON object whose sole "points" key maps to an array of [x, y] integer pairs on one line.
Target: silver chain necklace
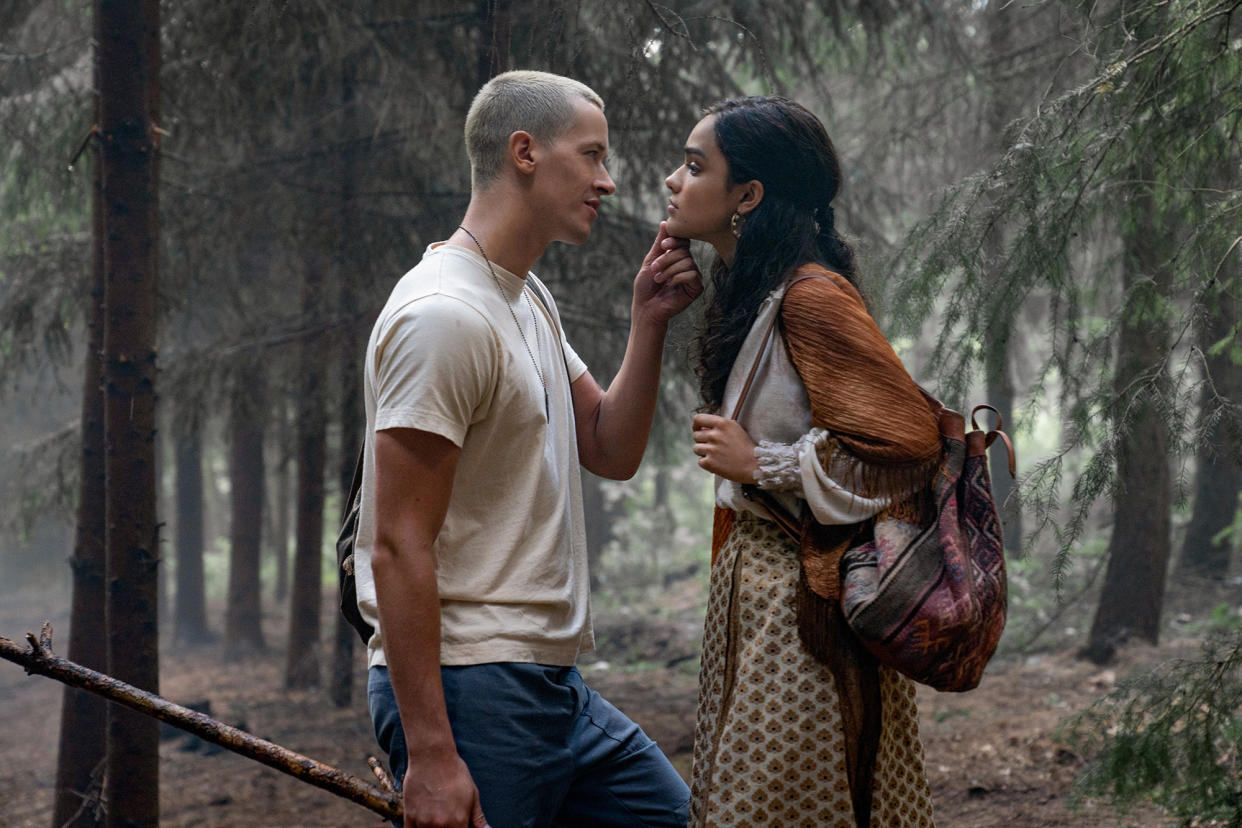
{"points": [[533, 318]]}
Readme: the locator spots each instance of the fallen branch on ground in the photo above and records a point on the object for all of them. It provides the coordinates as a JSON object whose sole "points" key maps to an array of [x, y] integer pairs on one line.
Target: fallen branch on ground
{"points": [[39, 659]]}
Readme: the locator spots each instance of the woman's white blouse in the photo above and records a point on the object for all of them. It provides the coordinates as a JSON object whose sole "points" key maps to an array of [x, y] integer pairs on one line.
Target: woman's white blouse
{"points": [[777, 416]]}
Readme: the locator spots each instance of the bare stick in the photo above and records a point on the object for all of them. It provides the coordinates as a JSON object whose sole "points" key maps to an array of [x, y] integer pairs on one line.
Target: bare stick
{"points": [[39, 659], [381, 774]]}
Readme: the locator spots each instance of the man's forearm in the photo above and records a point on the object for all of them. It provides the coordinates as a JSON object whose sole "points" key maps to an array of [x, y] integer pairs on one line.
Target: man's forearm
{"points": [[409, 610], [622, 419]]}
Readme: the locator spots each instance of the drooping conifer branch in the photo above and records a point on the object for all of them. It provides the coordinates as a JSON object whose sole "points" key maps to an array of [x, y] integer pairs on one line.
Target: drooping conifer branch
{"points": [[39, 659]]}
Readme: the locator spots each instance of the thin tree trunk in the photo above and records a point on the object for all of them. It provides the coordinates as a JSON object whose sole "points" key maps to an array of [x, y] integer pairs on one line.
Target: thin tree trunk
{"points": [[84, 716], [1001, 397], [1138, 552], [352, 355], [1218, 479], [190, 615], [243, 617], [128, 88], [1218, 454], [998, 335], [302, 656], [280, 543], [598, 524], [495, 25]]}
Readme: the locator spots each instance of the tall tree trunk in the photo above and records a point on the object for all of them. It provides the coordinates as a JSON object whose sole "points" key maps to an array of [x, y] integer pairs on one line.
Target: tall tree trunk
{"points": [[1218, 454], [998, 334], [302, 656], [1218, 479], [243, 616], [190, 614], [84, 716], [280, 539], [352, 355], [352, 427], [128, 43], [1138, 552], [598, 521]]}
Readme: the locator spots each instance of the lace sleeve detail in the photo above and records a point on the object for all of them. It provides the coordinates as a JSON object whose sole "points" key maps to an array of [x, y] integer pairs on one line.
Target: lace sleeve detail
{"points": [[780, 464]]}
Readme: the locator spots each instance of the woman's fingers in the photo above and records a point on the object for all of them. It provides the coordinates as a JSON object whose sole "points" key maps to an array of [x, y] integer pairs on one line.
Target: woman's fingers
{"points": [[706, 421]]}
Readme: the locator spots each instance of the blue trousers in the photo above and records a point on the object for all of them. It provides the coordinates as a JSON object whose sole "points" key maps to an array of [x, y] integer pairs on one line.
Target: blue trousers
{"points": [[543, 749]]}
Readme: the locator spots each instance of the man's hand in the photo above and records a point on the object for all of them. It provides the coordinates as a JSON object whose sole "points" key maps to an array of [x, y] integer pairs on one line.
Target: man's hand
{"points": [[668, 280], [724, 448], [439, 793]]}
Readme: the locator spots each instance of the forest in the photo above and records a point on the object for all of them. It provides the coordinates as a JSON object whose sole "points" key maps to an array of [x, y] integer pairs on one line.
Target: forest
{"points": [[203, 209]]}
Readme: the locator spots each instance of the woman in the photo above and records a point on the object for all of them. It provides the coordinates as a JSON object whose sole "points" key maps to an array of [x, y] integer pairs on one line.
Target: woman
{"points": [[797, 725]]}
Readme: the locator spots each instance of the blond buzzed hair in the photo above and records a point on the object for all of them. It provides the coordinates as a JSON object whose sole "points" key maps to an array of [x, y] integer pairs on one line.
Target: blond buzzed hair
{"points": [[536, 102]]}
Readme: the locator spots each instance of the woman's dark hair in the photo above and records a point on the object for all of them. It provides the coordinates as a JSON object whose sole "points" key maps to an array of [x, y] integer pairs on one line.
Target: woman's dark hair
{"points": [[785, 147]]}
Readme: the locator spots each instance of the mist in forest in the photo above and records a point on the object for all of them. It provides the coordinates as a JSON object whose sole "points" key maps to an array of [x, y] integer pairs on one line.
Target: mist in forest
{"points": [[1045, 200]]}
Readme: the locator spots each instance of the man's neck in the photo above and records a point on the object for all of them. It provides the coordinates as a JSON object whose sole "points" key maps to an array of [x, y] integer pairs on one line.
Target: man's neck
{"points": [[507, 236]]}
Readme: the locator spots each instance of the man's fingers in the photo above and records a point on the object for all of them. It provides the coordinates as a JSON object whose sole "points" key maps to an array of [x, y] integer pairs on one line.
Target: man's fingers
{"points": [[476, 818]]}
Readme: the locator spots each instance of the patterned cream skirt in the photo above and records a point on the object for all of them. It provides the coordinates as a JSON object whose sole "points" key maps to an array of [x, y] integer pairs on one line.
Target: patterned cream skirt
{"points": [[768, 747]]}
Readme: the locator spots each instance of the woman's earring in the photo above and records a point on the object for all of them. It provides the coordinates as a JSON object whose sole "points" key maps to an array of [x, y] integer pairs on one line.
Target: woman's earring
{"points": [[735, 225]]}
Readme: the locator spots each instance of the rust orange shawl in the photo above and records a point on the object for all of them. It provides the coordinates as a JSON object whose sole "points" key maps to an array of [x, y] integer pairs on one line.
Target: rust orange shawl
{"points": [[885, 441]]}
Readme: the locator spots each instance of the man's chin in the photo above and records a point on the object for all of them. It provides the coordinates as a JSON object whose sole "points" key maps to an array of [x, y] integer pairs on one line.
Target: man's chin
{"points": [[575, 237]]}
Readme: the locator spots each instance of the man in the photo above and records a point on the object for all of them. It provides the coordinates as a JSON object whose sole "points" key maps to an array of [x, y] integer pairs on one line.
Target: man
{"points": [[471, 559]]}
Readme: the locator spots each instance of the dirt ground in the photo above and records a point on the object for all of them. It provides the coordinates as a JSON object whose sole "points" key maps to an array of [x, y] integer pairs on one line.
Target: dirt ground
{"points": [[990, 753]]}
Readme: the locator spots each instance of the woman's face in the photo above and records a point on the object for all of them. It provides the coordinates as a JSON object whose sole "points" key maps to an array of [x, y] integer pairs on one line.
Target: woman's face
{"points": [[701, 198]]}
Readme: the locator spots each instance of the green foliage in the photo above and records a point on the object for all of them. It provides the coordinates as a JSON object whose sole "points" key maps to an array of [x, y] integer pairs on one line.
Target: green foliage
{"points": [[1158, 119], [1173, 736]]}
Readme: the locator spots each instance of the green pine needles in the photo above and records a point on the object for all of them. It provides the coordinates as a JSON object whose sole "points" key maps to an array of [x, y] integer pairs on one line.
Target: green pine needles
{"points": [[1173, 736]]}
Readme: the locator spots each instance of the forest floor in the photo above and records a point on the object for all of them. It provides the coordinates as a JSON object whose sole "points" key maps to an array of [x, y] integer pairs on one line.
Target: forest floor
{"points": [[991, 754]]}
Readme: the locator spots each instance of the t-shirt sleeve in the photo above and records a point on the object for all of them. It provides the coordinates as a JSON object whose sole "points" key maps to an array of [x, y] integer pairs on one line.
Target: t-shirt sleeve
{"points": [[572, 361], [436, 363]]}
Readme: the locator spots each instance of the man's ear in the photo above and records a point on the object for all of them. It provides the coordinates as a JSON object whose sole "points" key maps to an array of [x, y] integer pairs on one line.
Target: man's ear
{"points": [[752, 195], [522, 151]]}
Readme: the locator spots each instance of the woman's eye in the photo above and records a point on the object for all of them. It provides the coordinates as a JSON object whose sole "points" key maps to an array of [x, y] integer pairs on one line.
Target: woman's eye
{"points": [[693, 168]]}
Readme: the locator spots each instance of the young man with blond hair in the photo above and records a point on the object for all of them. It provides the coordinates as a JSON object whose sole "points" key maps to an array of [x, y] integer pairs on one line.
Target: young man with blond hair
{"points": [[471, 553]]}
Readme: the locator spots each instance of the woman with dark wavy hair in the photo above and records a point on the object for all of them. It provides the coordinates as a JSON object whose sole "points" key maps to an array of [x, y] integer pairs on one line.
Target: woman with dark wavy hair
{"points": [[797, 724]]}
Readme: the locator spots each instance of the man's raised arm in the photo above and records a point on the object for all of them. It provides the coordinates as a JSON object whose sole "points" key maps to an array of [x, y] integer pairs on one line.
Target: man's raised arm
{"points": [[613, 425]]}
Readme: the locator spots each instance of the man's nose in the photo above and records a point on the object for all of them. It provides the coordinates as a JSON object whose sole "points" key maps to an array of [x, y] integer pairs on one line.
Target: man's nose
{"points": [[606, 186]]}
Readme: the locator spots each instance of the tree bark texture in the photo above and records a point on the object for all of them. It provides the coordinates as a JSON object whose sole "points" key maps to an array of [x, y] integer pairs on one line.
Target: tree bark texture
{"points": [[302, 656], [283, 500], [128, 90], [1218, 473], [243, 616], [1138, 552], [190, 613], [495, 26], [351, 357], [84, 716], [39, 659]]}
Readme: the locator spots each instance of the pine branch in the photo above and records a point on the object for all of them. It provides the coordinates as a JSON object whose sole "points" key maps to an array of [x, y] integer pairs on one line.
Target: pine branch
{"points": [[39, 659]]}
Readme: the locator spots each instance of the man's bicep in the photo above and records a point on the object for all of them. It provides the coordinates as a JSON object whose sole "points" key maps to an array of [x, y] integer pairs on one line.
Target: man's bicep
{"points": [[413, 482]]}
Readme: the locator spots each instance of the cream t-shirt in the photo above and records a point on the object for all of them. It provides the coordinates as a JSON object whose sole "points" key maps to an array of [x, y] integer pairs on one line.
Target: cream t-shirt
{"points": [[446, 357]]}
